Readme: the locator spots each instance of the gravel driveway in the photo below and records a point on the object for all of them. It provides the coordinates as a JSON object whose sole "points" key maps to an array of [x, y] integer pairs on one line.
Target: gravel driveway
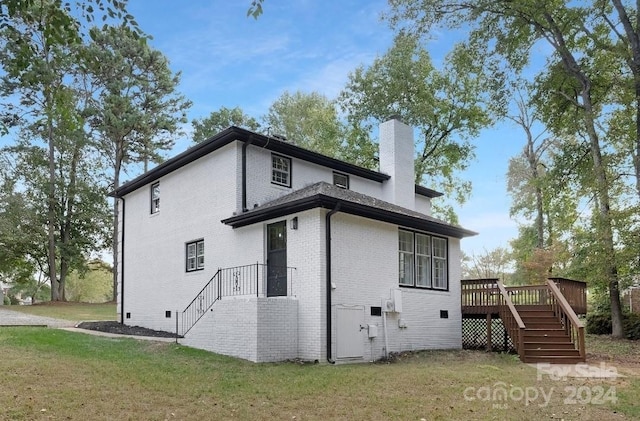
{"points": [[15, 318]]}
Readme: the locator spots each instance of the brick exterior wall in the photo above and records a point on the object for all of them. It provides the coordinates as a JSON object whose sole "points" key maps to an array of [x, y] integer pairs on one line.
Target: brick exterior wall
{"points": [[365, 268], [255, 329], [196, 197]]}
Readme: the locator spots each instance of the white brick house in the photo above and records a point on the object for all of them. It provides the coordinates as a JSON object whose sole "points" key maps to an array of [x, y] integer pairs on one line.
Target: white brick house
{"points": [[253, 247]]}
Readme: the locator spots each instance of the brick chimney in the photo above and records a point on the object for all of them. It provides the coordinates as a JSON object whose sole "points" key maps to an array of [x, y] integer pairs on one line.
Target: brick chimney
{"points": [[397, 160]]}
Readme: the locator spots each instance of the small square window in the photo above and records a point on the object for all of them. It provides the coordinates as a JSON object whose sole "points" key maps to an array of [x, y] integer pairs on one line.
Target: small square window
{"points": [[341, 180], [280, 170], [195, 256], [155, 198]]}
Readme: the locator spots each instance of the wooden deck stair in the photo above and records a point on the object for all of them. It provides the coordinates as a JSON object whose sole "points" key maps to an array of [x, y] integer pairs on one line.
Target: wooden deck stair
{"points": [[545, 338], [541, 320]]}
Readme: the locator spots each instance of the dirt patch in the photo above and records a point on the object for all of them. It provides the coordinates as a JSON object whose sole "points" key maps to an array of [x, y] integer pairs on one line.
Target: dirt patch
{"points": [[110, 326]]}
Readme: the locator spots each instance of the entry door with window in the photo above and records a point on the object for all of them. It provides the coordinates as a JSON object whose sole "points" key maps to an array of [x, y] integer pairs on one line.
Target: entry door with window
{"points": [[277, 259]]}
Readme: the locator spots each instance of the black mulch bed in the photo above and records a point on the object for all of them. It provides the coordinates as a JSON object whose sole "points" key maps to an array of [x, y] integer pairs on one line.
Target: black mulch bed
{"points": [[120, 329]]}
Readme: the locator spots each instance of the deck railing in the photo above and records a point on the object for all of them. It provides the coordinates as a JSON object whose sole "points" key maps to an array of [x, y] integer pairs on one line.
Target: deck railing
{"points": [[247, 280], [575, 293], [529, 294], [480, 295], [511, 319], [564, 312]]}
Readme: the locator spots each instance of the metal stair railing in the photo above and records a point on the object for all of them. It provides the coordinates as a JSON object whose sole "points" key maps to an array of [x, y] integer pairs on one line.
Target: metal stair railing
{"points": [[247, 280], [200, 304]]}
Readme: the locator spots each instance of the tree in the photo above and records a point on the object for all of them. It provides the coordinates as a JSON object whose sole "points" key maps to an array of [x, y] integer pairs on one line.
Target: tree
{"points": [[508, 30], [91, 285], [309, 120], [446, 106], [46, 105], [219, 120], [493, 264], [35, 67], [135, 110]]}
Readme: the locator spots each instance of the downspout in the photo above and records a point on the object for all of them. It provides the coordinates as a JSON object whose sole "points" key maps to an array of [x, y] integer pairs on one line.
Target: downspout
{"points": [[328, 276], [244, 173], [121, 251]]}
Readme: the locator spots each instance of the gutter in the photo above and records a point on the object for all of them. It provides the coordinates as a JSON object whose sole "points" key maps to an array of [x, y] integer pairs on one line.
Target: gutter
{"points": [[121, 251], [244, 173], [328, 276]]}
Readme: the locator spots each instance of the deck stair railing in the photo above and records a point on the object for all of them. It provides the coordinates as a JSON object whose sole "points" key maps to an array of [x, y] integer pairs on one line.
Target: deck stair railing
{"points": [[511, 319], [564, 312], [248, 280]]}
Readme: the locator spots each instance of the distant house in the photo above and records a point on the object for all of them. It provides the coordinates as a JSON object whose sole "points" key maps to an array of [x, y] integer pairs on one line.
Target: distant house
{"points": [[631, 298], [250, 246]]}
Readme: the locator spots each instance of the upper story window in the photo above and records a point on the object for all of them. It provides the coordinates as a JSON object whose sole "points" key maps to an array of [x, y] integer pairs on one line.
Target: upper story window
{"points": [[422, 260], [195, 255], [341, 180], [280, 170], [155, 197]]}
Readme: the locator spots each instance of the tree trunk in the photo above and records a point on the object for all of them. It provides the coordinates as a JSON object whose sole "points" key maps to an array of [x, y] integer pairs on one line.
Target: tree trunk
{"points": [[604, 226], [51, 214], [65, 231]]}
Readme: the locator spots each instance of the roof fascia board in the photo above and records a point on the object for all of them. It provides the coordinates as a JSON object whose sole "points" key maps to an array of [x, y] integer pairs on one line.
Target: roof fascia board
{"points": [[324, 201], [236, 133]]}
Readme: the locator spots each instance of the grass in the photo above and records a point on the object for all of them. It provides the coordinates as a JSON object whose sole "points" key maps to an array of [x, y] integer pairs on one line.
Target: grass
{"points": [[70, 311], [54, 374]]}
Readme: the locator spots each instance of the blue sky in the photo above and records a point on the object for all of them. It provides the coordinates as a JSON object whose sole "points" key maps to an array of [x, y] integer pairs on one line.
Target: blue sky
{"points": [[229, 59]]}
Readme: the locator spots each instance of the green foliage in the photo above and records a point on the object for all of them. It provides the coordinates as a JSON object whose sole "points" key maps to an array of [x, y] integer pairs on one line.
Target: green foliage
{"points": [[309, 120], [6, 300], [255, 9], [632, 326], [588, 96], [600, 324], [219, 120], [136, 110], [446, 106], [92, 285], [491, 264]]}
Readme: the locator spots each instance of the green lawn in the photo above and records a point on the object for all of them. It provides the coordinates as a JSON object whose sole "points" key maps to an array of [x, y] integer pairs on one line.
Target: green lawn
{"points": [[55, 374], [70, 311]]}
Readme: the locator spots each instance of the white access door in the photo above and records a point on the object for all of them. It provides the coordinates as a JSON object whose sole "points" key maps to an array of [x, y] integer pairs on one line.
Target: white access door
{"points": [[349, 336]]}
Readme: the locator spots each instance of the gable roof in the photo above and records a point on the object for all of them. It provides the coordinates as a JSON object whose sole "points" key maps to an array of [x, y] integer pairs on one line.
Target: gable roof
{"points": [[328, 196], [234, 133]]}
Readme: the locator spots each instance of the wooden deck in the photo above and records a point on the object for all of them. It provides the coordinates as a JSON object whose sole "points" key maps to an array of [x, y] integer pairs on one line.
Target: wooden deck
{"points": [[540, 320], [482, 296]]}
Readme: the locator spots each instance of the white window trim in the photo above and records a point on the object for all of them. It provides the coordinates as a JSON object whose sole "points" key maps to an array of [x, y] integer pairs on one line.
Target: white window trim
{"points": [[155, 200], [283, 173], [194, 257], [435, 284]]}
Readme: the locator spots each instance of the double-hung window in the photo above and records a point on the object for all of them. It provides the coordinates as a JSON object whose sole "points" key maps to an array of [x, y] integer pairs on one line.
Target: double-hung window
{"points": [[281, 170], [195, 255], [155, 197], [422, 260]]}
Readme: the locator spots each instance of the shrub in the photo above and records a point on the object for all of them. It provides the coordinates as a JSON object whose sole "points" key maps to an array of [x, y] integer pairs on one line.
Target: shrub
{"points": [[600, 324], [7, 301], [632, 326]]}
